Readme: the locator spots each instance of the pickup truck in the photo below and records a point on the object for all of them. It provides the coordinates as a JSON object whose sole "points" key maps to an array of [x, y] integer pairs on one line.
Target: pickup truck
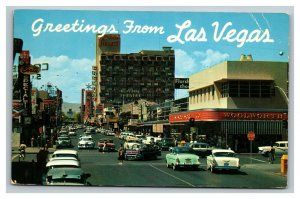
{"points": [[281, 147], [142, 151]]}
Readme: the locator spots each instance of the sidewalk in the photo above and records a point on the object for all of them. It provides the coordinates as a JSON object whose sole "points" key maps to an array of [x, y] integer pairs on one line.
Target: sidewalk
{"points": [[29, 150]]}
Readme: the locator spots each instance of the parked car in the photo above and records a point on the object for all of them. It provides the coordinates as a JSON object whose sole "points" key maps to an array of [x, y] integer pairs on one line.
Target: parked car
{"points": [[139, 151], [67, 176], [222, 159], [109, 144], [182, 157], [63, 142], [62, 164], [64, 153], [200, 149], [86, 142], [281, 147], [166, 143]]}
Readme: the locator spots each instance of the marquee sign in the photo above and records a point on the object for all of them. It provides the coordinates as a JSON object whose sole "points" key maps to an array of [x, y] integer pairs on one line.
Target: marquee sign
{"points": [[30, 69], [215, 115]]}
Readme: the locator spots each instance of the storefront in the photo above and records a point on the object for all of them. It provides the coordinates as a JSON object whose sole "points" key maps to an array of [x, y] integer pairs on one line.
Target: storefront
{"points": [[225, 127]]}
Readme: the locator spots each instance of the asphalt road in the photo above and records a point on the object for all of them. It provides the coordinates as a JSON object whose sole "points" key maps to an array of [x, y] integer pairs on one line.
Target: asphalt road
{"points": [[255, 172]]}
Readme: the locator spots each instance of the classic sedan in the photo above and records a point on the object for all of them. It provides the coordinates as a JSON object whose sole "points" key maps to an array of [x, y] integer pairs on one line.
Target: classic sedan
{"points": [[182, 157], [63, 142], [222, 159], [86, 142], [200, 149]]}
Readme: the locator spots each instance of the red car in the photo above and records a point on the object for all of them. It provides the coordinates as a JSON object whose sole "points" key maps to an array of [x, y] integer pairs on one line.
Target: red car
{"points": [[106, 144]]}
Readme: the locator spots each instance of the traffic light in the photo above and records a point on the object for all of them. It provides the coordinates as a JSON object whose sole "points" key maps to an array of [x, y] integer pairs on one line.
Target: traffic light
{"points": [[192, 122], [285, 124]]}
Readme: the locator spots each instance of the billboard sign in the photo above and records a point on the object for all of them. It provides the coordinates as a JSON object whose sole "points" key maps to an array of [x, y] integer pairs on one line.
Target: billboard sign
{"points": [[181, 83]]}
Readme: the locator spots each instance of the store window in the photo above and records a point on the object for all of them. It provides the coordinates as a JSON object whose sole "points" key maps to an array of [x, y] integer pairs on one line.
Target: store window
{"points": [[245, 88]]}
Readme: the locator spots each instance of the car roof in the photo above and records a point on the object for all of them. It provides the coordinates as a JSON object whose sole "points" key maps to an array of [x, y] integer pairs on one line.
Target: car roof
{"points": [[63, 158], [222, 150], [65, 151], [66, 163]]}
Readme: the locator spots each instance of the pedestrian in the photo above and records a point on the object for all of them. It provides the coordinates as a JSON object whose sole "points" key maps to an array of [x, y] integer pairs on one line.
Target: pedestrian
{"points": [[32, 141], [272, 155], [22, 149], [121, 154], [39, 141], [103, 147]]}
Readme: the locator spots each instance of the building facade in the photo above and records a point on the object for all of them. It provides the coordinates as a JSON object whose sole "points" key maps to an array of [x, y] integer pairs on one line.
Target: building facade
{"points": [[125, 78], [230, 99]]}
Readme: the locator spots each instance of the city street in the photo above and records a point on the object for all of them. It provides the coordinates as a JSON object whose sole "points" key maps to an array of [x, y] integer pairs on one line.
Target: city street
{"points": [[105, 171]]}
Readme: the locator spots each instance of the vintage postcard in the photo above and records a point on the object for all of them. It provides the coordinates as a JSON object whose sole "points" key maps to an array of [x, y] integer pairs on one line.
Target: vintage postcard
{"points": [[150, 99]]}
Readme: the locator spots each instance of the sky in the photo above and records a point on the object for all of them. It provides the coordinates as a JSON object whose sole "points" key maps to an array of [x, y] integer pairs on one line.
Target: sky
{"points": [[200, 40]]}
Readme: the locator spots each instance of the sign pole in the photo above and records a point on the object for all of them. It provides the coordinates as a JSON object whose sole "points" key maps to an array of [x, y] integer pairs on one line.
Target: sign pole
{"points": [[251, 137], [251, 151]]}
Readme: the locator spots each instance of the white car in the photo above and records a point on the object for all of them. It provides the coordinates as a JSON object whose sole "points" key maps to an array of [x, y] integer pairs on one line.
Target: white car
{"points": [[281, 147], [86, 142], [63, 153], [62, 164], [222, 159]]}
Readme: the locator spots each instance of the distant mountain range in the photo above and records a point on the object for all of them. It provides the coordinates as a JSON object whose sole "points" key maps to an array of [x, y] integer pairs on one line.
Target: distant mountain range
{"points": [[74, 106]]}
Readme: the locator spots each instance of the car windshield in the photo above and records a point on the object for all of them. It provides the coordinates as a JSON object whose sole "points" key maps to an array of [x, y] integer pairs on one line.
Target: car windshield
{"points": [[63, 138], [183, 150], [87, 139], [107, 141], [224, 154], [64, 155]]}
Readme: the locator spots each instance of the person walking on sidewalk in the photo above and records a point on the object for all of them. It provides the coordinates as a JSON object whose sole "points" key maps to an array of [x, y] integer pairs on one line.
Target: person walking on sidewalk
{"points": [[22, 149], [32, 141]]}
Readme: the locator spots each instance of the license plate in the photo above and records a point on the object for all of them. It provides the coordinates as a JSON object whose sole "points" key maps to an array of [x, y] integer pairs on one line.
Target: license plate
{"points": [[226, 164], [188, 161]]}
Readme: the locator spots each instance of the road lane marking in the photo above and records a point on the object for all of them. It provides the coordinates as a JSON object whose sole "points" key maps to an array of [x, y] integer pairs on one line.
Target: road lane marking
{"points": [[173, 176], [258, 160]]}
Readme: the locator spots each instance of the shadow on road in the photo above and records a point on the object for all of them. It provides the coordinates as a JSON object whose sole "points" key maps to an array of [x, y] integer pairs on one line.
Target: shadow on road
{"points": [[225, 172]]}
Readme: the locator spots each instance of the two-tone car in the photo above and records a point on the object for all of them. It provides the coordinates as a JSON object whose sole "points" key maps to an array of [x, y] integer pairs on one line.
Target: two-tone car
{"points": [[66, 176], [106, 144], [222, 159], [281, 148], [182, 157]]}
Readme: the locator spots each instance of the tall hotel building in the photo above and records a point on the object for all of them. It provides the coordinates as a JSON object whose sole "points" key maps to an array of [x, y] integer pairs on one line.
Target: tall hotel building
{"points": [[123, 78]]}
